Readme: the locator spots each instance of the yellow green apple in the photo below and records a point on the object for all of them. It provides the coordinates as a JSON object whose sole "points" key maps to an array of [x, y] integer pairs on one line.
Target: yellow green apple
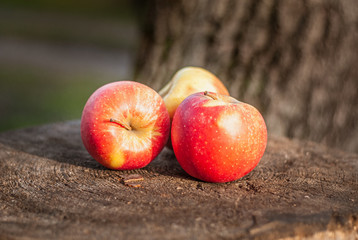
{"points": [[187, 81]]}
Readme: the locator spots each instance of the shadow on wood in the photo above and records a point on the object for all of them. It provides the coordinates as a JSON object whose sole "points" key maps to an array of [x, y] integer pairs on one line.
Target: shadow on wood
{"points": [[52, 189]]}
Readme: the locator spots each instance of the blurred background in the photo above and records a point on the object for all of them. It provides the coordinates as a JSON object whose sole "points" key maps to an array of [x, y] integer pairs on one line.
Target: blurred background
{"points": [[54, 54], [295, 61]]}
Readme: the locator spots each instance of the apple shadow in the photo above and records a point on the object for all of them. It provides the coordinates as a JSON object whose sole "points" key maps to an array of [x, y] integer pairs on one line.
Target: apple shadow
{"points": [[62, 142], [166, 164]]}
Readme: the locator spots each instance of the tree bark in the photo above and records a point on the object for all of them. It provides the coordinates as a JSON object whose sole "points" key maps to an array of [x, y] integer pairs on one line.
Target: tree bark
{"points": [[296, 61], [51, 188]]}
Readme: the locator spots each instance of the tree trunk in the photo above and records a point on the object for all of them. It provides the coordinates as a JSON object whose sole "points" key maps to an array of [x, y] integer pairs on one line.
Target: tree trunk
{"points": [[293, 60]]}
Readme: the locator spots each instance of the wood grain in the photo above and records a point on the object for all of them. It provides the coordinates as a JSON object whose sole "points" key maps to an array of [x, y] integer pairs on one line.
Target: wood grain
{"points": [[52, 189]]}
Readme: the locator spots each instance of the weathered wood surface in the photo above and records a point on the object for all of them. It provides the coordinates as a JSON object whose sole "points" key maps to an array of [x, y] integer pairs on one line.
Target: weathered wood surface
{"points": [[50, 188]]}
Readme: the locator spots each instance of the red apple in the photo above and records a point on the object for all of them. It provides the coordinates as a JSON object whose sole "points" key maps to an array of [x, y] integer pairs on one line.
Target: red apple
{"points": [[217, 138], [185, 82], [125, 125]]}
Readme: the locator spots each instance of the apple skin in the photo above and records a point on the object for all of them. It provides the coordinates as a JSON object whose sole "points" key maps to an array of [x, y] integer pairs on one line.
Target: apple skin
{"points": [[124, 125], [185, 82], [216, 138]]}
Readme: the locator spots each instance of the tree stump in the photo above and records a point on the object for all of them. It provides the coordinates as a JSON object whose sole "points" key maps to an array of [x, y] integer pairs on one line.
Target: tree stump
{"points": [[52, 189]]}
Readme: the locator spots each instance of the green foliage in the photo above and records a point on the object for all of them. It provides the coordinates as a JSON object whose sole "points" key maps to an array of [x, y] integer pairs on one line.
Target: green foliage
{"points": [[31, 93], [119, 8], [30, 96]]}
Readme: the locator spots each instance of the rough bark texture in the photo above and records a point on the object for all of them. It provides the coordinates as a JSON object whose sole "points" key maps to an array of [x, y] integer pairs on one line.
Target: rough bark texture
{"points": [[296, 61], [52, 189]]}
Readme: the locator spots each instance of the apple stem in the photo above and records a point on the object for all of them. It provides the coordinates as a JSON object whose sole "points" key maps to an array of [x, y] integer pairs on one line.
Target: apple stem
{"points": [[125, 125], [206, 93]]}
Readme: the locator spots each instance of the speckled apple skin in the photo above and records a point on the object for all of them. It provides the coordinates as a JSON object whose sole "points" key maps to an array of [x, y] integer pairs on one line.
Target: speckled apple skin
{"points": [[187, 81], [110, 143], [217, 142]]}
